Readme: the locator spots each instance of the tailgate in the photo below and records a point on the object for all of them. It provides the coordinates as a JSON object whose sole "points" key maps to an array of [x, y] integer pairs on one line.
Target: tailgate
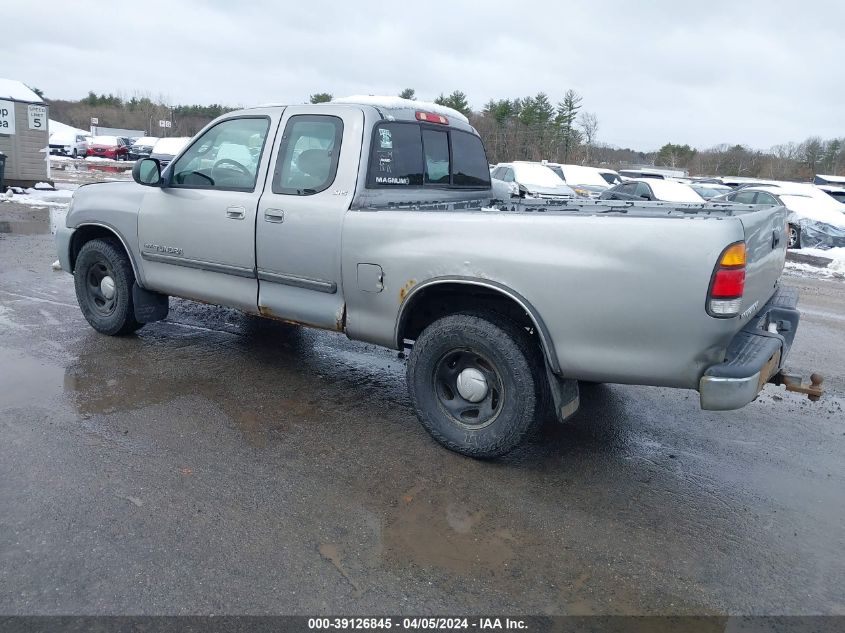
{"points": [[765, 240]]}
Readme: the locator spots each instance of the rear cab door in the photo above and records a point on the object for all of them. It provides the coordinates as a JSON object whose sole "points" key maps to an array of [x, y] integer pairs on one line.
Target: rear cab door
{"points": [[301, 212]]}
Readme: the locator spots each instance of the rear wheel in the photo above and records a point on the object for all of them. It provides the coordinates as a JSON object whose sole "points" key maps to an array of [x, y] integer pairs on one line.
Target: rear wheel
{"points": [[794, 240], [477, 385], [103, 279]]}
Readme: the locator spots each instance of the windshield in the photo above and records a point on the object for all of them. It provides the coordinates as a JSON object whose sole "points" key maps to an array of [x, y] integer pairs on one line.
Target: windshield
{"points": [[674, 191], [578, 175], [706, 192], [536, 174]]}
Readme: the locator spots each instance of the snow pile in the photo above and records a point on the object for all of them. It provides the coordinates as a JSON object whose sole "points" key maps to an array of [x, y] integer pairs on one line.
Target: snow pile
{"points": [[38, 197], [836, 254], [836, 267]]}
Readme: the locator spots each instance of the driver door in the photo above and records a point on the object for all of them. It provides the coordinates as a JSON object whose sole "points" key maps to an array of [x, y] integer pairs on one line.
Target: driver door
{"points": [[197, 231]]}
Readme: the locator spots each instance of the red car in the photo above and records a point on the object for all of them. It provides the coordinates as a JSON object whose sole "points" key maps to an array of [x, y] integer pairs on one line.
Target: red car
{"points": [[108, 147]]}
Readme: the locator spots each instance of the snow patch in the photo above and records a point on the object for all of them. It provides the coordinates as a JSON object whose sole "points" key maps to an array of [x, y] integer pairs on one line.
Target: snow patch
{"points": [[39, 197], [17, 91]]}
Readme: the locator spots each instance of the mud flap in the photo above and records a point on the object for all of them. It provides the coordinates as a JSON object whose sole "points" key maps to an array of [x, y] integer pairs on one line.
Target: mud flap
{"points": [[565, 396], [149, 306]]}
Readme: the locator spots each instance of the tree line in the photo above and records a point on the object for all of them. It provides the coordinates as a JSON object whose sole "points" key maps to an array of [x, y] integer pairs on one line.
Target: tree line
{"points": [[534, 127]]}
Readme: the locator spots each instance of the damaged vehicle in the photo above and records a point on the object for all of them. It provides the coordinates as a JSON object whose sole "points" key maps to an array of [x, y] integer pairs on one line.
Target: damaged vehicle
{"points": [[815, 219], [375, 217], [532, 180]]}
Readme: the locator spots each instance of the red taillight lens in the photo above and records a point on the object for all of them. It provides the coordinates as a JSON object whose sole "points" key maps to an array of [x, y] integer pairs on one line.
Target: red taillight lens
{"points": [[728, 283], [430, 117]]}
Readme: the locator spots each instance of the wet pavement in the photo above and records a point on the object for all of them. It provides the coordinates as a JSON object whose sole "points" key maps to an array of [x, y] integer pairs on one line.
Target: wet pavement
{"points": [[221, 463]]}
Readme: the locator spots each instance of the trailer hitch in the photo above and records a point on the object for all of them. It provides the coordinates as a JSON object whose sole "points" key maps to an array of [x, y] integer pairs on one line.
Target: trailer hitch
{"points": [[795, 383]]}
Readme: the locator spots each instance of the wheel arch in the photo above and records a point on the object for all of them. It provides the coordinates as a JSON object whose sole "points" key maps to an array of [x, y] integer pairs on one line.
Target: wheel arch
{"points": [[84, 233], [423, 305]]}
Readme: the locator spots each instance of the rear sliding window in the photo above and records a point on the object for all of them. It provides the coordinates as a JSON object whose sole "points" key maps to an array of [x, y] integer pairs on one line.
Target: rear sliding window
{"points": [[410, 155]]}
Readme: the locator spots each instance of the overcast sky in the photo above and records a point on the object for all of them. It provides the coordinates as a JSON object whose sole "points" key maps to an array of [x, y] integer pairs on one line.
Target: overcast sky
{"points": [[703, 73]]}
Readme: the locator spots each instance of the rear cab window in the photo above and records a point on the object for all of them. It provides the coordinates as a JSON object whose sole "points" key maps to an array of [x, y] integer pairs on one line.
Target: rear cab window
{"points": [[412, 155]]}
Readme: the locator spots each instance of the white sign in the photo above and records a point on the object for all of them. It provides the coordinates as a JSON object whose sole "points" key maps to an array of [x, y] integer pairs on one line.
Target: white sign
{"points": [[37, 117], [95, 120], [165, 124], [7, 117]]}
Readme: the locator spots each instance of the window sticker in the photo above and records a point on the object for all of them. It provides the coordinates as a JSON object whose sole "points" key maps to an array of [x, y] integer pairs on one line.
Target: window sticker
{"points": [[386, 139], [392, 180]]}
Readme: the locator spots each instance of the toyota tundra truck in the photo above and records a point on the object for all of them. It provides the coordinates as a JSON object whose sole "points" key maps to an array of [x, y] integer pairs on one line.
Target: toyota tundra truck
{"points": [[375, 217]]}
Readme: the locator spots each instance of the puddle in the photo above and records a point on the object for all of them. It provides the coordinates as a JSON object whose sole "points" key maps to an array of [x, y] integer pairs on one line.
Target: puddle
{"points": [[452, 535], [27, 380]]}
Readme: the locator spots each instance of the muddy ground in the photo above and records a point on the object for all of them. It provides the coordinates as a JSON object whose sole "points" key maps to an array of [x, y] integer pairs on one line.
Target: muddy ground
{"points": [[219, 463]]}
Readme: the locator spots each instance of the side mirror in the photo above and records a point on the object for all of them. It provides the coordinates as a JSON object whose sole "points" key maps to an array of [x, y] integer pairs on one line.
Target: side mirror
{"points": [[645, 196], [147, 172]]}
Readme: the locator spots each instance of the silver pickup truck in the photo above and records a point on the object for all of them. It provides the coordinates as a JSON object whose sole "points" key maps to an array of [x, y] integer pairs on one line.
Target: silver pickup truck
{"points": [[376, 218]]}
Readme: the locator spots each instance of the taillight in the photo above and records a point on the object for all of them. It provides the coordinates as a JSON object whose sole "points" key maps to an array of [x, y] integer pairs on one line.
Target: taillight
{"points": [[728, 283], [430, 117]]}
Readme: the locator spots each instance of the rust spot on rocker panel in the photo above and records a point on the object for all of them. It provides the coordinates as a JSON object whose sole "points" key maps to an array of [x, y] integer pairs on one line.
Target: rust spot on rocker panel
{"points": [[340, 320]]}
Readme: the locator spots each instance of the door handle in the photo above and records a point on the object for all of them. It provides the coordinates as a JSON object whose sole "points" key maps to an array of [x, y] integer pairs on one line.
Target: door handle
{"points": [[274, 215], [235, 213]]}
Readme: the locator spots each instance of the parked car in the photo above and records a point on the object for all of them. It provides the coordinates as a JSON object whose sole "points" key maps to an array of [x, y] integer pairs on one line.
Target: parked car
{"points": [[837, 193], [534, 180], [586, 182], [652, 189], [610, 176], [344, 220], [709, 190], [111, 147], [815, 219], [142, 148], [68, 144], [166, 149]]}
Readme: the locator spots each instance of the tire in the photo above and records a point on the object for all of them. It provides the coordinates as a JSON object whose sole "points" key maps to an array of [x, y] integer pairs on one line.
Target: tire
{"points": [[511, 366], [793, 239], [75, 153], [97, 260]]}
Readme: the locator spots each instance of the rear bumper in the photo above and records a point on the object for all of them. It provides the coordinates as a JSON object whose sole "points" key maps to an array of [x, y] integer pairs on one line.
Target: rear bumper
{"points": [[755, 354]]}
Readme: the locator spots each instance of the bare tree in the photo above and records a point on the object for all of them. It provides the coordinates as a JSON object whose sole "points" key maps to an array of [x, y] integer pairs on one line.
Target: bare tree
{"points": [[588, 123]]}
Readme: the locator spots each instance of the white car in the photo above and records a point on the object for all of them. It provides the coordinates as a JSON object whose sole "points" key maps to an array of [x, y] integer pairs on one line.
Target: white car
{"points": [[535, 180], [587, 182], [69, 144]]}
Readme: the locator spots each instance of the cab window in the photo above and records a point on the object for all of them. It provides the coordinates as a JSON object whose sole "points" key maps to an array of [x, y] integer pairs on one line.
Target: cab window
{"points": [[410, 155], [225, 157], [308, 155]]}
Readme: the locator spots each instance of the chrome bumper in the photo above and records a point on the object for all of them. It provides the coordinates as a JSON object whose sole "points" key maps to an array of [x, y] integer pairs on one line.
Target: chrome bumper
{"points": [[754, 356]]}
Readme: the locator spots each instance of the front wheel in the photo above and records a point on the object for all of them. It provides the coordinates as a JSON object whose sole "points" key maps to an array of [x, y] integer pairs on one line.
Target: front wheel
{"points": [[103, 279], [476, 383]]}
